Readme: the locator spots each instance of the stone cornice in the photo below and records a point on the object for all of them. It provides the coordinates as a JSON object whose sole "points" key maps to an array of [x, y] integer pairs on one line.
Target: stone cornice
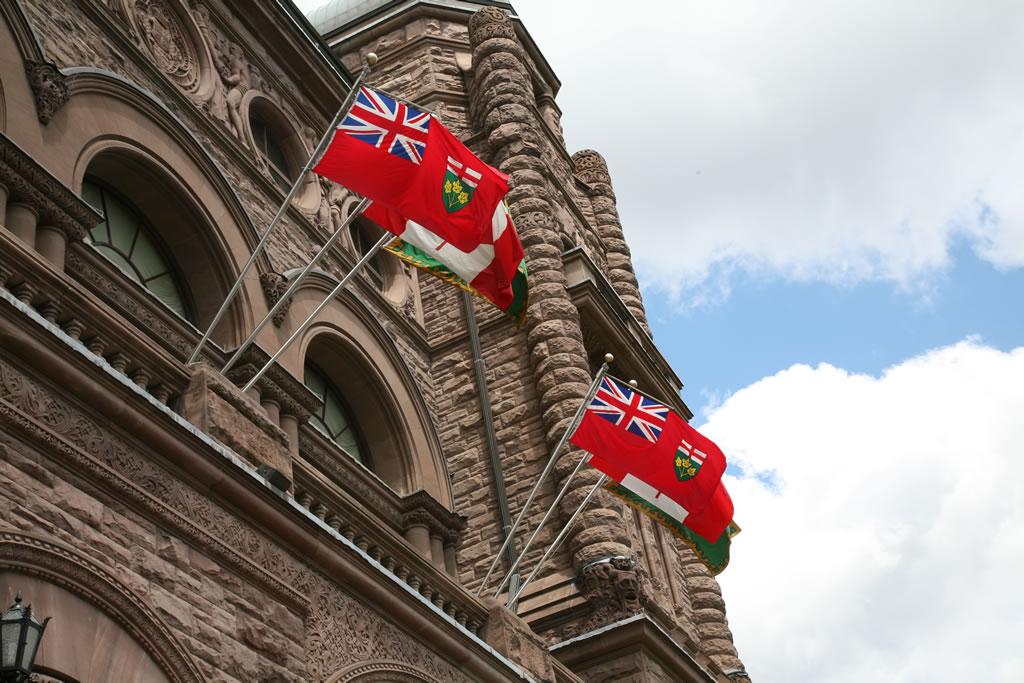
{"points": [[595, 298], [638, 633], [27, 181]]}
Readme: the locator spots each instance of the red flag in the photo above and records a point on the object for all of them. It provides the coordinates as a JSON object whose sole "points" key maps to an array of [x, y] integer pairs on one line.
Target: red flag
{"points": [[715, 518], [651, 450], [408, 162]]}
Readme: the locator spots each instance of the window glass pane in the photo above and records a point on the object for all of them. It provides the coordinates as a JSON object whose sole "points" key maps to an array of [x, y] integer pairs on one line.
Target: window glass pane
{"points": [[147, 259], [315, 382], [334, 420], [335, 417], [276, 155], [165, 290], [123, 222], [119, 261]]}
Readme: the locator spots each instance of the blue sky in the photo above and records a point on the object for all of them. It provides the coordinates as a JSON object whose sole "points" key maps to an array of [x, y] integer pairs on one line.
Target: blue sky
{"points": [[768, 324]]}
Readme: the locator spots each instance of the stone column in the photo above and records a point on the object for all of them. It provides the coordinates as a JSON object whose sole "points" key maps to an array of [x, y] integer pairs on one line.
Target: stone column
{"points": [[592, 169], [709, 613], [52, 243], [419, 535], [21, 220], [437, 551], [290, 425], [501, 100]]}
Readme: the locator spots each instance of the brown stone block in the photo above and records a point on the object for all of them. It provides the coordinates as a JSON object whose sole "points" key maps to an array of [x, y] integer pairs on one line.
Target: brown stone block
{"points": [[509, 635], [220, 409]]}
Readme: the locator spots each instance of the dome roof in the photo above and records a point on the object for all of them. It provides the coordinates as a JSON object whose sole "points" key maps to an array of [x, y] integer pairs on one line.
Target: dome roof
{"points": [[337, 13]]}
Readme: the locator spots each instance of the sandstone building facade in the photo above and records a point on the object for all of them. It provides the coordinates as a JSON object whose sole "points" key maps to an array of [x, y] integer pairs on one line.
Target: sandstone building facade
{"points": [[144, 147]]}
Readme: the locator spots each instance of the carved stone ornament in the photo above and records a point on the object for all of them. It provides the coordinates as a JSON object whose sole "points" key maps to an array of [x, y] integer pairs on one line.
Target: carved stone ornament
{"points": [[612, 588], [48, 87], [168, 41], [274, 287]]}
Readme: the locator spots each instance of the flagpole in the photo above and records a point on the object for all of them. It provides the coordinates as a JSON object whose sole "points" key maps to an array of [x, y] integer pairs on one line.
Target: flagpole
{"points": [[294, 285], [371, 59], [513, 599], [608, 358], [385, 239]]}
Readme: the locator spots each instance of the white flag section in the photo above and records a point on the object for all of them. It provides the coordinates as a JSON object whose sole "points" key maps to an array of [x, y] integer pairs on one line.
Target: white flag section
{"points": [[467, 265]]}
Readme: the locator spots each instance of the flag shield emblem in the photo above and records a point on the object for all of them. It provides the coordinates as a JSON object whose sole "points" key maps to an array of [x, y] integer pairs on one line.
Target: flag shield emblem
{"points": [[460, 183], [687, 461]]}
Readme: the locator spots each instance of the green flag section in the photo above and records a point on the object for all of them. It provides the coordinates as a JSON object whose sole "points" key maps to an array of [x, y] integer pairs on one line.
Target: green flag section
{"points": [[715, 556], [427, 263]]}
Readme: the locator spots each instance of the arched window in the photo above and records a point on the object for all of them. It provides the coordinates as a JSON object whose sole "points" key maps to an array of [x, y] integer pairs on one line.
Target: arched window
{"points": [[129, 240], [272, 152], [362, 241], [334, 419]]}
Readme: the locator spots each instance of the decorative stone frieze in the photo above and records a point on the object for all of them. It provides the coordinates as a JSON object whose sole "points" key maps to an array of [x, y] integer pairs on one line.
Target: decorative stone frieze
{"points": [[56, 204]]}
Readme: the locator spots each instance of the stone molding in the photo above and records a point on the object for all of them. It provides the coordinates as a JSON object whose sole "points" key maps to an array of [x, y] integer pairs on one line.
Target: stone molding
{"points": [[56, 563], [28, 182], [48, 87], [385, 671]]}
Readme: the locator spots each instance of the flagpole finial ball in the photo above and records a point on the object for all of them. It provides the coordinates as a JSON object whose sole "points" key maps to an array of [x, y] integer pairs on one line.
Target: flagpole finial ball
{"points": [[632, 383], [371, 58], [608, 358]]}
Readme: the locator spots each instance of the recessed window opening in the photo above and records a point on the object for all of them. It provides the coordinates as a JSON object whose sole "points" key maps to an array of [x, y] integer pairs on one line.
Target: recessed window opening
{"points": [[334, 420], [126, 238], [270, 149]]}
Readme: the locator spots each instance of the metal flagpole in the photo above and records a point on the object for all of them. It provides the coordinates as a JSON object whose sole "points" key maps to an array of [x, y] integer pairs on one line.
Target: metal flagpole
{"points": [[371, 59], [547, 515], [385, 238], [608, 358], [558, 540], [294, 285]]}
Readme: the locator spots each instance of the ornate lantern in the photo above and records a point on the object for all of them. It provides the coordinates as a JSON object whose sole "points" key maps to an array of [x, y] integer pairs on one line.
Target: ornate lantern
{"points": [[20, 633]]}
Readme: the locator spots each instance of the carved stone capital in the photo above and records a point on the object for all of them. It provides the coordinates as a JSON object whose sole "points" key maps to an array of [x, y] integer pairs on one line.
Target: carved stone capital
{"points": [[48, 87], [490, 22], [592, 169]]}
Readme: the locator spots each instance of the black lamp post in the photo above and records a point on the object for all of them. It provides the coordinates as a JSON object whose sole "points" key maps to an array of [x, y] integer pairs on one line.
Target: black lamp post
{"points": [[20, 633]]}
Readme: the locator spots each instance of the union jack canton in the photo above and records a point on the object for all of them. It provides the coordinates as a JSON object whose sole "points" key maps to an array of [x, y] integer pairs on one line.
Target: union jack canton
{"points": [[629, 409], [388, 125]]}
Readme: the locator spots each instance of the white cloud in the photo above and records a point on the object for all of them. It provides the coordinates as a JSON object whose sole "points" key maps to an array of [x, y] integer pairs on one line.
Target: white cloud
{"points": [[812, 140], [893, 545]]}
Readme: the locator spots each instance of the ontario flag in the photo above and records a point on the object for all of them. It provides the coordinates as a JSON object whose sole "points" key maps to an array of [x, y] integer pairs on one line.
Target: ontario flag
{"points": [[428, 189], [647, 448]]}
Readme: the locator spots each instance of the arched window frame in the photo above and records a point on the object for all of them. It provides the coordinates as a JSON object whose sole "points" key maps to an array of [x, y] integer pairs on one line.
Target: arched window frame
{"points": [[114, 206]]}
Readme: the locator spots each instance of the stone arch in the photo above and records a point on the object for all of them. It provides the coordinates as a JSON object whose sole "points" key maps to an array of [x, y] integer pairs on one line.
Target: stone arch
{"points": [[357, 354], [136, 126], [183, 225], [258, 104], [93, 604], [382, 671]]}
